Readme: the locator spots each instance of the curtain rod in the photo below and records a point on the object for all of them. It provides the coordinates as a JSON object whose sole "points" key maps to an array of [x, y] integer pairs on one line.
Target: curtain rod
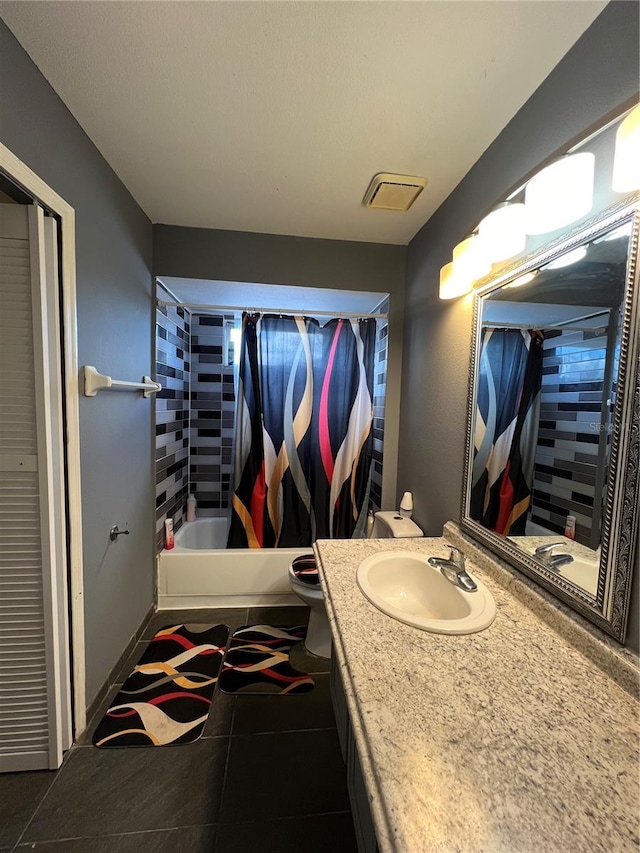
{"points": [[535, 328], [311, 312], [607, 312], [561, 324]]}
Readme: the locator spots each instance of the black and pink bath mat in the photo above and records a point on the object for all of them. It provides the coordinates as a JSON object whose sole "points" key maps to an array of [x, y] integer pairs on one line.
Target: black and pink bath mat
{"points": [[257, 661], [167, 698]]}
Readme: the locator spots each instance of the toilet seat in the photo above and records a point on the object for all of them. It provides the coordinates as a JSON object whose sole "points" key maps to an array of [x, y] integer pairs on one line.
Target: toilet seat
{"points": [[305, 582], [305, 569]]}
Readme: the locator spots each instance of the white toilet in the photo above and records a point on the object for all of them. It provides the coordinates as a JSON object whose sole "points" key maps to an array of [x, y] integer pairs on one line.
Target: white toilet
{"points": [[304, 581], [392, 525]]}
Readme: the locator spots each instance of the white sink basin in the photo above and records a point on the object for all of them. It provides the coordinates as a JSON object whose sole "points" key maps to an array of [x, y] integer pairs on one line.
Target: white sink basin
{"points": [[403, 585], [582, 573]]}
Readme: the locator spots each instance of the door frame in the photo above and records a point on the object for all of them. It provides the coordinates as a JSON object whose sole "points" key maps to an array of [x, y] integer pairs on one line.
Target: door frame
{"points": [[37, 188]]}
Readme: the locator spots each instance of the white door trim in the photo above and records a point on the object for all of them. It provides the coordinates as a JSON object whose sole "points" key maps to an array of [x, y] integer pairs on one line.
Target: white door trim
{"points": [[23, 175]]}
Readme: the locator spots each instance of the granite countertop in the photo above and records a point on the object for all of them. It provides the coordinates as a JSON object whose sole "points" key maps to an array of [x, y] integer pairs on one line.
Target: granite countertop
{"points": [[569, 546], [511, 739], [584, 575]]}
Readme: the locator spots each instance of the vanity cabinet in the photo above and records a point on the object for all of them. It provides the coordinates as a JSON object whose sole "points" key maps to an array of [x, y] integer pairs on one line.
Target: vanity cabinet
{"points": [[363, 824]]}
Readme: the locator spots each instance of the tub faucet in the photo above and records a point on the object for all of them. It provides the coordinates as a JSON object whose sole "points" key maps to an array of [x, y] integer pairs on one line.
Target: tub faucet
{"points": [[549, 560], [454, 570]]}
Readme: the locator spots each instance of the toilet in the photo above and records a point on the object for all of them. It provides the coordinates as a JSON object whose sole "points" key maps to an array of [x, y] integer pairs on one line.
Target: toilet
{"points": [[304, 581], [392, 525]]}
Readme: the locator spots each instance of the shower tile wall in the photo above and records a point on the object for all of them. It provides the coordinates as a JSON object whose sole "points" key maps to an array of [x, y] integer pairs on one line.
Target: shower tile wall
{"points": [[212, 414], [172, 417], [379, 393], [570, 433]]}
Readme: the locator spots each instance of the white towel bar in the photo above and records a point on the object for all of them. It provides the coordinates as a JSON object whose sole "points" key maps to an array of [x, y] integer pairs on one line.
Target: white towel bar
{"points": [[94, 382]]}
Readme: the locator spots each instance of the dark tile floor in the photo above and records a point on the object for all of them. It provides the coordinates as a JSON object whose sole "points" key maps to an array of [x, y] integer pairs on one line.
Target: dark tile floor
{"points": [[266, 776]]}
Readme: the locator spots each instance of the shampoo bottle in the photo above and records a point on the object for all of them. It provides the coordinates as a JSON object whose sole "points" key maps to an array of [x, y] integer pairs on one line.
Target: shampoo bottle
{"points": [[169, 541], [370, 520], [191, 508], [570, 527]]}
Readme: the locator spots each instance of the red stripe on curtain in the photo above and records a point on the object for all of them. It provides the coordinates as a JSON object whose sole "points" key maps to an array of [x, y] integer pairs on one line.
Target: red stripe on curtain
{"points": [[506, 498], [325, 442], [258, 497]]}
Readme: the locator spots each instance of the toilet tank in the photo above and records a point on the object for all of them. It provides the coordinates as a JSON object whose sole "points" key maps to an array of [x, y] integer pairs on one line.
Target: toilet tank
{"points": [[390, 525]]}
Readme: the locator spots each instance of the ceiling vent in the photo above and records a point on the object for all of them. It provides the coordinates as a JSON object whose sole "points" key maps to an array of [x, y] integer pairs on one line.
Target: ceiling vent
{"points": [[393, 192]]}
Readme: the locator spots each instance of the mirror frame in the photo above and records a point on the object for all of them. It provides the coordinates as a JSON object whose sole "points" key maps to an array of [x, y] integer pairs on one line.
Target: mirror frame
{"points": [[610, 608]]}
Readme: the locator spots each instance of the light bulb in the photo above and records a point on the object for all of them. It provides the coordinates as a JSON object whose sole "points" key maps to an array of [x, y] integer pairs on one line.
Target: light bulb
{"points": [[523, 279], [567, 259], [626, 159], [470, 260], [451, 284], [503, 231], [560, 194]]}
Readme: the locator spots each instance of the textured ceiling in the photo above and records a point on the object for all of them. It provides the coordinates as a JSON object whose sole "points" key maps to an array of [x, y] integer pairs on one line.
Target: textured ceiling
{"points": [[273, 116]]}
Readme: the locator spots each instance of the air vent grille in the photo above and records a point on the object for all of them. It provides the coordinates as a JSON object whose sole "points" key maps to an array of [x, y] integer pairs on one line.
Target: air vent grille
{"points": [[393, 192]]}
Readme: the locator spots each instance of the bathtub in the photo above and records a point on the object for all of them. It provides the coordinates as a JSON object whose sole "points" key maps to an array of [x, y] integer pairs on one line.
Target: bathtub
{"points": [[532, 528], [200, 572]]}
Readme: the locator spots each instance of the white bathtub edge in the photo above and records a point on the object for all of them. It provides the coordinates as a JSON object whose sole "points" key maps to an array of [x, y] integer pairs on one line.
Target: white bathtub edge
{"points": [[193, 602], [220, 577]]}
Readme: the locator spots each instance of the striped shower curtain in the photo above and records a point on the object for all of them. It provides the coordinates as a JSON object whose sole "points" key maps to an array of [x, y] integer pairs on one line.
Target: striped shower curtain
{"points": [[304, 443], [506, 428]]}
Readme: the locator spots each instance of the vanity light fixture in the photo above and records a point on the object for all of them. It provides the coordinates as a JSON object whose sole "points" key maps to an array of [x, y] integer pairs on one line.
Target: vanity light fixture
{"points": [[503, 231], [560, 194], [626, 159], [567, 259], [452, 285], [470, 260]]}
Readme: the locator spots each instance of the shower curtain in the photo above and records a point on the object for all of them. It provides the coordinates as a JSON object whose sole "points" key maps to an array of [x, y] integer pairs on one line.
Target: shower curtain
{"points": [[304, 442], [506, 428]]}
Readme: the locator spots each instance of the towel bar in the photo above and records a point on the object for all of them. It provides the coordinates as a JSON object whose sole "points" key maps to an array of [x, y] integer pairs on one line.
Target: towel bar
{"points": [[94, 382]]}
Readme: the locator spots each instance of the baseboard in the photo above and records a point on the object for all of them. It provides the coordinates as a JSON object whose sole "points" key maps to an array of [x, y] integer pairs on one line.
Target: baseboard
{"points": [[192, 601], [116, 668], [143, 625]]}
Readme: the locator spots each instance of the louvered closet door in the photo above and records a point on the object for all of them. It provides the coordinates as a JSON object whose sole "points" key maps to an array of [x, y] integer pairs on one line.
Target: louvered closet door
{"points": [[34, 679]]}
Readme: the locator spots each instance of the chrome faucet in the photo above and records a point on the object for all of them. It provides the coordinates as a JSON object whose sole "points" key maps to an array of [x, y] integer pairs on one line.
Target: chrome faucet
{"points": [[549, 560], [454, 570]]}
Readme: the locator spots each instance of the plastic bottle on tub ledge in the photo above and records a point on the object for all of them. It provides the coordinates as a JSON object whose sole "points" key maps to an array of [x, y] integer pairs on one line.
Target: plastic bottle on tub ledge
{"points": [[370, 523], [191, 508], [169, 539], [570, 527]]}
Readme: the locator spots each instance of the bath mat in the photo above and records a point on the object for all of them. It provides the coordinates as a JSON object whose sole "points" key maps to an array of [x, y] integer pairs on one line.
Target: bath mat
{"points": [[167, 697], [257, 661]]}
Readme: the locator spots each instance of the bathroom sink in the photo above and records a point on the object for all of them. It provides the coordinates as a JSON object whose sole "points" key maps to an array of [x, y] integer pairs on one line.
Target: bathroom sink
{"points": [[582, 573], [403, 585]]}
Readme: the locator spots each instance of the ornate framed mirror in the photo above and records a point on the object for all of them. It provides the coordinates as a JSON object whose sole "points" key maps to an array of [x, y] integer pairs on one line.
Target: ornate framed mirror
{"points": [[551, 480]]}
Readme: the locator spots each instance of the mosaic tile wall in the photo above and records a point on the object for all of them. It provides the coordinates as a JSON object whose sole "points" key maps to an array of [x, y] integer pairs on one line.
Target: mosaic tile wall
{"points": [[571, 431], [212, 414], [380, 387], [172, 418]]}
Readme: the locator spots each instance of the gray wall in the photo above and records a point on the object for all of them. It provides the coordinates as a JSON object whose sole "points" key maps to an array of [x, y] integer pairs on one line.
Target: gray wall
{"points": [[113, 253], [594, 78], [305, 262]]}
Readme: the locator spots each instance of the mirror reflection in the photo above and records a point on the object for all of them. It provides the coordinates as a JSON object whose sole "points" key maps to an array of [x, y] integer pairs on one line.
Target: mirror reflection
{"points": [[549, 344]]}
